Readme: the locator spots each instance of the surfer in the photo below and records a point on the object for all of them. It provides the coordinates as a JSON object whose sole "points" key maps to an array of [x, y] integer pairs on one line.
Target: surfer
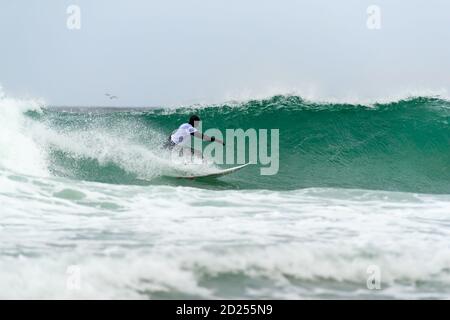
{"points": [[179, 136]]}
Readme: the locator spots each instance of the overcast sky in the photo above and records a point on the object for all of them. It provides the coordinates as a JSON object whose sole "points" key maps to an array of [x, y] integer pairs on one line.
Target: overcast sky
{"points": [[172, 52]]}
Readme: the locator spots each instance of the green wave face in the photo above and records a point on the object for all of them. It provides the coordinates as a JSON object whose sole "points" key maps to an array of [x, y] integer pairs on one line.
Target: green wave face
{"points": [[398, 146]]}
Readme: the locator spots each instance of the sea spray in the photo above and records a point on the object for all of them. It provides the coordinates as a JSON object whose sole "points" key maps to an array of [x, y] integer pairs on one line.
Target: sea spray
{"points": [[19, 151]]}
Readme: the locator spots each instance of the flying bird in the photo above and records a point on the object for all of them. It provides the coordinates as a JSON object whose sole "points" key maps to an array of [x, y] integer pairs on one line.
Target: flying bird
{"points": [[110, 96]]}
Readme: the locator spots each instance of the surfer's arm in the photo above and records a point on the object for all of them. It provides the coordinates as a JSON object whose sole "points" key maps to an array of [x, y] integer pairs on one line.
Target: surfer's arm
{"points": [[207, 138]]}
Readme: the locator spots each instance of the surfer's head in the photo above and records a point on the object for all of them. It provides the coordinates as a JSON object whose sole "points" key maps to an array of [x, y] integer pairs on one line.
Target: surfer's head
{"points": [[194, 120]]}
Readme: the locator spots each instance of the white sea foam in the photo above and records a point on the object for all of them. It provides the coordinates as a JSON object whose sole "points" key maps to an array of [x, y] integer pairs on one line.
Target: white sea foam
{"points": [[160, 241]]}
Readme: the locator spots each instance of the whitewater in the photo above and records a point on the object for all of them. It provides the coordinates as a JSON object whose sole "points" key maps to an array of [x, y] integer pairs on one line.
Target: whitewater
{"points": [[84, 192]]}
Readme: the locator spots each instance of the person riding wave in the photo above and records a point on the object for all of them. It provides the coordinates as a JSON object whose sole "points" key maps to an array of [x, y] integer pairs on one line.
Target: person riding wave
{"points": [[185, 131]]}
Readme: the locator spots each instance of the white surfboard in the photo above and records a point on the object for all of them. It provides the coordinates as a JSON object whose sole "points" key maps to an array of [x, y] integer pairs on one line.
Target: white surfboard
{"points": [[215, 174]]}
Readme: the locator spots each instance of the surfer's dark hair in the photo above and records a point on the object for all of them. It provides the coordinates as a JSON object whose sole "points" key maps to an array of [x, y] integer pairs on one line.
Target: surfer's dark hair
{"points": [[193, 119]]}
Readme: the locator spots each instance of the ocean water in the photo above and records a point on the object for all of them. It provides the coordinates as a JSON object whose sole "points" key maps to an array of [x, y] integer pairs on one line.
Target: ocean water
{"points": [[87, 209]]}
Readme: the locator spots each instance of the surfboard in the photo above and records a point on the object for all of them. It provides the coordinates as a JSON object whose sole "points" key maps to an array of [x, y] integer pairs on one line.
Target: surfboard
{"points": [[215, 174]]}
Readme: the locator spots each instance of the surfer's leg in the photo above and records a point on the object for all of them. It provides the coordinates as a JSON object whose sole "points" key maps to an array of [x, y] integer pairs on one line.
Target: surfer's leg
{"points": [[168, 144], [196, 153], [192, 152]]}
